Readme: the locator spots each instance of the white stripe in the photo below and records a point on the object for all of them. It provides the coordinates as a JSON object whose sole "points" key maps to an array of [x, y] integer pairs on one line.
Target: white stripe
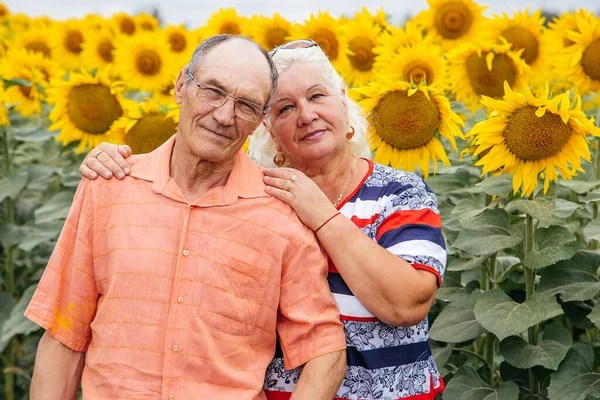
{"points": [[363, 209], [419, 248], [350, 306]]}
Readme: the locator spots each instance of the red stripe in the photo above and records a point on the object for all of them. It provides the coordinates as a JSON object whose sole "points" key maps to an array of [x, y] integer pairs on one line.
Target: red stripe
{"points": [[360, 319], [429, 269], [357, 188], [399, 218], [362, 222], [332, 267], [425, 396]]}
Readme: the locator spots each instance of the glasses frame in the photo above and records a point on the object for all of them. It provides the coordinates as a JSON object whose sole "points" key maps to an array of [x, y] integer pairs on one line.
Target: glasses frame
{"points": [[226, 97], [292, 45]]}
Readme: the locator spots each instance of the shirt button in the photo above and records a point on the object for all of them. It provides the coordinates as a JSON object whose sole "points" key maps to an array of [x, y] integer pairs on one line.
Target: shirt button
{"points": [[180, 299], [186, 252], [171, 397], [175, 348]]}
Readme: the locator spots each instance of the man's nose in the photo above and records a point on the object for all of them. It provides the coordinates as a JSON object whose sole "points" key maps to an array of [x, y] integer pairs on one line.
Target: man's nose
{"points": [[225, 115]]}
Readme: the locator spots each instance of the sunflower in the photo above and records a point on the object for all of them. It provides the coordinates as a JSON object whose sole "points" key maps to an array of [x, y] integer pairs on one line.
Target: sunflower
{"points": [[270, 32], [123, 24], [226, 20], [49, 69], [379, 19], [406, 121], [144, 127], [144, 61], [357, 64], [4, 11], [3, 109], [85, 108], [165, 96], [35, 39], [181, 41], [325, 30], [146, 22], [420, 63], [396, 39], [581, 61], [532, 136], [95, 21], [67, 43], [452, 21], [481, 69], [98, 48], [558, 28], [524, 32]]}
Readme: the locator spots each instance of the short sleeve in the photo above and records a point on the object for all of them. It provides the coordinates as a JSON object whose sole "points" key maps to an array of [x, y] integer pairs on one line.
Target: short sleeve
{"points": [[65, 300], [308, 320], [410, 225]]}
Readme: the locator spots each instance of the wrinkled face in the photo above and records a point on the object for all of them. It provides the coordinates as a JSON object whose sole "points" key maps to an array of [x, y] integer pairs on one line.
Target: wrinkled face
{"points": [[308, 119], [216, 134]]}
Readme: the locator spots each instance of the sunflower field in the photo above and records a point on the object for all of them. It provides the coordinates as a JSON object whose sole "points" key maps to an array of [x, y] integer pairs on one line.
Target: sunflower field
{"points": [[500, 114]]}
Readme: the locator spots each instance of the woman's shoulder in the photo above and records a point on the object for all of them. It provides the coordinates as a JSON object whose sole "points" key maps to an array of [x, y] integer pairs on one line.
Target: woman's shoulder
{"points": [[386, 176]]}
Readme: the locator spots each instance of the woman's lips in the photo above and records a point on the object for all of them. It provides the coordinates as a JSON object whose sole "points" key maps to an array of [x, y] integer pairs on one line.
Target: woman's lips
{"points": [[314, 135]]}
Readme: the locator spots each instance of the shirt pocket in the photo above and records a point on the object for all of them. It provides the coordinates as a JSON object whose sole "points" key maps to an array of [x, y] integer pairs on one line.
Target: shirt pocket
{"points": [[234, 292]]}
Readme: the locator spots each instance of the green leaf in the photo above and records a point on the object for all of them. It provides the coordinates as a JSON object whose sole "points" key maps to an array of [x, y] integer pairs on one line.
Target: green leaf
{"points": [[552, 244], [574, 279], [12, 184], [441, 355], [12, 235], [579, 187], [41, 234], [468, 385], [575, 378], [55, 208], [564, 208], [594, 316], [487, 234], [592, 230], [6, 305], [466, 210], [592, 197], [540, 208], [466, 264], [16, 82], [34, 134], [17, 324], [497, 185], [457, 323], [504, 317], [548, 353], [450, 294]]}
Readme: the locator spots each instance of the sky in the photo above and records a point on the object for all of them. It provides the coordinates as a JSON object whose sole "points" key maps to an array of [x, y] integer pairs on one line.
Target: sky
{"points": [[194, 13]]}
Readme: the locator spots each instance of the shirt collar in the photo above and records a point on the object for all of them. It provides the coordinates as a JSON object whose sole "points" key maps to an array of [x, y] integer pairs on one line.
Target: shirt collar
{"points": [[245, 179]]}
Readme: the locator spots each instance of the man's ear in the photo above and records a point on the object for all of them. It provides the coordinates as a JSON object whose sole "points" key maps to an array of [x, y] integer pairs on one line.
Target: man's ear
{"points": [[179, 86]]}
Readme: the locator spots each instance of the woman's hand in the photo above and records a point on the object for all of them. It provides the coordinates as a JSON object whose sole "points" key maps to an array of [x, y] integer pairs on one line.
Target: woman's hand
{"points": [[106, 160], [302, 194]]}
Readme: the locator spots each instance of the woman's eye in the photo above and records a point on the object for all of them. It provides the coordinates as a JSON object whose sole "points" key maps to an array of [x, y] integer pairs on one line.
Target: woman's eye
{"points": [[284, 109], [316, 96]]}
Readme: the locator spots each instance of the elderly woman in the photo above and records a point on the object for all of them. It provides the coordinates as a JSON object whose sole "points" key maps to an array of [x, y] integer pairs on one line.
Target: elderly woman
{"points": [[380, 227]]}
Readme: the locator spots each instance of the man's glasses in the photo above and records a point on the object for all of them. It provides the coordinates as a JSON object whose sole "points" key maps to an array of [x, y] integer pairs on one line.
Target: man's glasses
{"points": [[215, 97], [294, 44]]}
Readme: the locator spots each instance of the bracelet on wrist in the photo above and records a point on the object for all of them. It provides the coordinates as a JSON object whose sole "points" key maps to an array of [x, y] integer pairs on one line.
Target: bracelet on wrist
{"points": [[327, 220]]}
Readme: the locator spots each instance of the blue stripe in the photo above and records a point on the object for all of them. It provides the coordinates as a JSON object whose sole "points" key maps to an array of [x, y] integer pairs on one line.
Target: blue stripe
{"points": [[337, 284], [388, 356], [412, 232], [384, 357]]}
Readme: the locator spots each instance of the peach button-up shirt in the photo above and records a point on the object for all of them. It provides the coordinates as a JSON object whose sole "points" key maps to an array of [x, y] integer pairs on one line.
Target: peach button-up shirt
{"points": [[177, 300]]}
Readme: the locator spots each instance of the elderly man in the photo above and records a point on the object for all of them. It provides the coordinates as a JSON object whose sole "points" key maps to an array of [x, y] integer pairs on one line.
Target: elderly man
{"points": [[172, 283]]}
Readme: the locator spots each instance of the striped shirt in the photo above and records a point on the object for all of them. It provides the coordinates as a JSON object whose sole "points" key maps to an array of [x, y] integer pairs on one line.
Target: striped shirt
{"points": [[398, 211]]}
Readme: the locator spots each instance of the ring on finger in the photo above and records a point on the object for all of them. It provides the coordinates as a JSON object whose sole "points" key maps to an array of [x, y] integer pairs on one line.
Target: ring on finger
{"points": [[294, 178], [96, 155], [289, 185]]}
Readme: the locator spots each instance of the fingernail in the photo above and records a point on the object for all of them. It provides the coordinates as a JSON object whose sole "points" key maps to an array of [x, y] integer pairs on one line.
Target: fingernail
{"points": [[94, 175], [107, 175], [126, 170], [120, 175]]}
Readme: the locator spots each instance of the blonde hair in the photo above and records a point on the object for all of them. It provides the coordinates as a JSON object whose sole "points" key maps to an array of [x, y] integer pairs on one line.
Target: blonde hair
{"points": [[262, 148]]}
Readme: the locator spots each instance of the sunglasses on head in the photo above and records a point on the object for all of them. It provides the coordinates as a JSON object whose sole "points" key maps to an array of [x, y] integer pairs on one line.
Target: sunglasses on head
{"points": [[294, 44]]}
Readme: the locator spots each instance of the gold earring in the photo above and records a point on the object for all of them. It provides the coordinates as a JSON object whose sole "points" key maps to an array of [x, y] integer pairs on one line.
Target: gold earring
{"points": [[350, 134], [279, 159]]}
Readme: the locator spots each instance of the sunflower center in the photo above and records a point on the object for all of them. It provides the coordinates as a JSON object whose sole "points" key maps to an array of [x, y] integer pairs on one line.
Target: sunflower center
{"points": [[532, 138], [92, 108], [406, 122], [276, 37], [25, 91], [150, 132], [453, 19], [490, 83], [230, 28], [3, 11], [73, 41], [105, 49], [363, 57], [590, 60], [147, 26], [177, 41], [521, 38], [417, 71], [39, 47], [148, 62], [327, 41], [127, 26]]}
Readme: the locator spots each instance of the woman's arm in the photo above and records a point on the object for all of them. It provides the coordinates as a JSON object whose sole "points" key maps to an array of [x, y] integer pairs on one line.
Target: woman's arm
{"points": [[388, 286]]}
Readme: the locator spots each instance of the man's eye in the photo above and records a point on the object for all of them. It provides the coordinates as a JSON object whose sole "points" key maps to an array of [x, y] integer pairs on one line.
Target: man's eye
{"points": [[245, 107]]}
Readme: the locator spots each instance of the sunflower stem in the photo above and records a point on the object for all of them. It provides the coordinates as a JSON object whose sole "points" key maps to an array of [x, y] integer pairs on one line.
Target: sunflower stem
{"points": [[530, 290], [594, 245], [474, 354]]}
